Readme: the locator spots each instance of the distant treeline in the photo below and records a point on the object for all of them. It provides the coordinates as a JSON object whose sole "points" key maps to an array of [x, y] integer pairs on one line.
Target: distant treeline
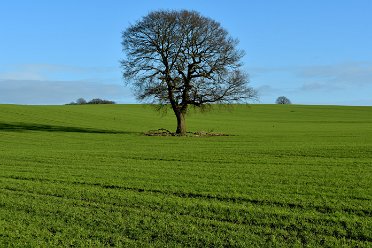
{"points": [[82, 101]]}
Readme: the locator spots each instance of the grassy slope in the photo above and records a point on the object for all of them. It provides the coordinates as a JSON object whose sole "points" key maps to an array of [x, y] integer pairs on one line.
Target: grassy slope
{"points": [[84, 175]]}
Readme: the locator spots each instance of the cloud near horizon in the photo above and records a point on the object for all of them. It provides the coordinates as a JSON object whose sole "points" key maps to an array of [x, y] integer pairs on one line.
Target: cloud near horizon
{"points": [[54, 72], [319, 84], [357, 73], [354, 72], [60, 84], [59, 92]]}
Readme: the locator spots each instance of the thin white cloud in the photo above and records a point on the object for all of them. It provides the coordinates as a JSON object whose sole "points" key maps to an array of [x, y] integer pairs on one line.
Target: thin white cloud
{"points": [[54, 72], [317, 87], [321, 76], [346, 83], [357, 73], [60, 84], [268, 89], [60, 92]]}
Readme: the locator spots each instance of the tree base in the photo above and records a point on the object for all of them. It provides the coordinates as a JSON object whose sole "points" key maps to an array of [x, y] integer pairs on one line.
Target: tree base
{"points": [[165, 132]]}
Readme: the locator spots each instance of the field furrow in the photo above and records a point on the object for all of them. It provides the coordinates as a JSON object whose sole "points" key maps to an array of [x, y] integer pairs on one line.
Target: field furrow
{"points": [[87, 176]]}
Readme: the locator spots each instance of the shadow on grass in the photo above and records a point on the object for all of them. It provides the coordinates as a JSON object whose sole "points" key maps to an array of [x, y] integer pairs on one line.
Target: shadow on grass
{"points": [[21, 127]]}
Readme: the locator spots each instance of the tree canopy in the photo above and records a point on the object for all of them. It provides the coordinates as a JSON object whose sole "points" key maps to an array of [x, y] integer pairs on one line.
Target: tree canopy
{"points": [[182, 58], [282, 100]]}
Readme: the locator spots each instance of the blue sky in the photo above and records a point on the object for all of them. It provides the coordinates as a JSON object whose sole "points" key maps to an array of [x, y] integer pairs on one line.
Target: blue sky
{"points": [[313, 52]]}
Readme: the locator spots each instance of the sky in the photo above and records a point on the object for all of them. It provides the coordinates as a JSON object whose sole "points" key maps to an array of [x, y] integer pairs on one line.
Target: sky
{"points": [[313, 52]]}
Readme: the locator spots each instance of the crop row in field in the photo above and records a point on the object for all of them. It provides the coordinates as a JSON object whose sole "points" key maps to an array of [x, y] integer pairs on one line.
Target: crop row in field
{"points": [[86, 176]]}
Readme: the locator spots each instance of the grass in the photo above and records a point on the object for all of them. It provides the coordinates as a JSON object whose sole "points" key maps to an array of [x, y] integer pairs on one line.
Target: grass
{"points": [[86, 176]]}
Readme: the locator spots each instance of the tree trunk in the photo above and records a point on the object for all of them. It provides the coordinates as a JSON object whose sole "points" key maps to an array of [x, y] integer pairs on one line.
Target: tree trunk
{"points": [[181, 123]]}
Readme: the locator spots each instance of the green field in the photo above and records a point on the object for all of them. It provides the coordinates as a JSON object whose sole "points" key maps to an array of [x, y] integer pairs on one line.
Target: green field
{"points": [[287, 175]]}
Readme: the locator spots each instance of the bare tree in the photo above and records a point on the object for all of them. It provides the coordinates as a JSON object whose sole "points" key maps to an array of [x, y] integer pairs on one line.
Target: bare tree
{"points": [[182, 58], [282, 100], [81, 101]]}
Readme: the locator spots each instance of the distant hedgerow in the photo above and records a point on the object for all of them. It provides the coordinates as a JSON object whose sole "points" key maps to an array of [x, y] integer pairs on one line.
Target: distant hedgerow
{"points": [[82, 101]]}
